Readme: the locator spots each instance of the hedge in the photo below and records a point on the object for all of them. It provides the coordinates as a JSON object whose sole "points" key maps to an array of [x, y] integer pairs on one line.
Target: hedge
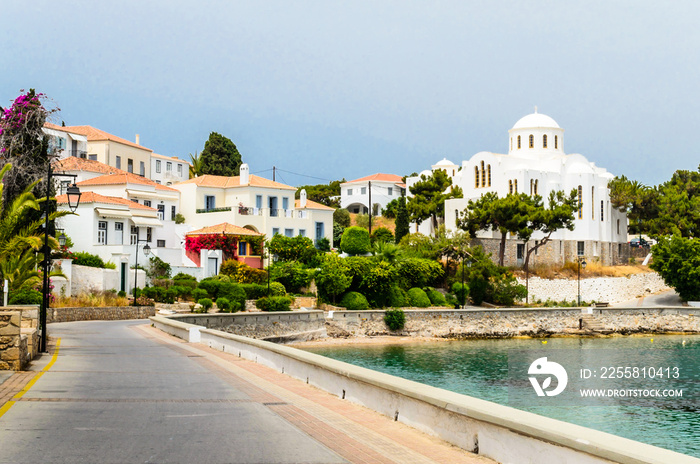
{"points": [[274, 303], [418, 298], [354, 301]]}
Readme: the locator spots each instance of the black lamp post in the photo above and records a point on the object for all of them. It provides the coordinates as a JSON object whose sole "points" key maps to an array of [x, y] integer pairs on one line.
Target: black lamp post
{"points": [[73, 193], [581, 264], [146, 252]]}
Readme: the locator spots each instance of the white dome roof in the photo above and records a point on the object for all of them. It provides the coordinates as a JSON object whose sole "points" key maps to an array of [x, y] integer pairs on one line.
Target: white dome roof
{"points": [[444, 162], [536, 120]]}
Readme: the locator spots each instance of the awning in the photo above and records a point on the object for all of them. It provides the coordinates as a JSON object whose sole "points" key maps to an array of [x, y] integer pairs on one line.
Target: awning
{"points": [[147, 222], [144, 213], [149, 195], [113, 213]]}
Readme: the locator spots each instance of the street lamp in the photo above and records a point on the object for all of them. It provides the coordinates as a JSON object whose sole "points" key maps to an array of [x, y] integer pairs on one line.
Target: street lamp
{"points": [[73, 194], [146, 252], [581, 264]]}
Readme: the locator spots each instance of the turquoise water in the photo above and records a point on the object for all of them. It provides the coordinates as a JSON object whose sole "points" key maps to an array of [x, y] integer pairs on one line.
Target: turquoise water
{"points": [[496, 370]]}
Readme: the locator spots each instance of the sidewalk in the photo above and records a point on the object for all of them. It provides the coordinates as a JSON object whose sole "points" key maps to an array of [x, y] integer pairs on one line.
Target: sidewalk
{"points": [[358, 434]]}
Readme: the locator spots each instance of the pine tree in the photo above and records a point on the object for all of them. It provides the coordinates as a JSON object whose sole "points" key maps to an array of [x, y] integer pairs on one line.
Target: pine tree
{"points": [[402, 226], [220, 157]]}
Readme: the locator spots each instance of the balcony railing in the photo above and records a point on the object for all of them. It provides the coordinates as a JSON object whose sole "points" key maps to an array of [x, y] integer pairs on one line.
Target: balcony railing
{"points": [[249, 211], [78, 153], [253, 211], [213, 210]]}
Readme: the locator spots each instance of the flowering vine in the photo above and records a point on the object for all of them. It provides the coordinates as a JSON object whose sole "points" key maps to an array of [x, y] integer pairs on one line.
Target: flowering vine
{"points": [[227, 243]]}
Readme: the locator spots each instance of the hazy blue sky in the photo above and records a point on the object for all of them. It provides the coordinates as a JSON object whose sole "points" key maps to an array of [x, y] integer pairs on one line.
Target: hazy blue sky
{"points": [[345, 89]]}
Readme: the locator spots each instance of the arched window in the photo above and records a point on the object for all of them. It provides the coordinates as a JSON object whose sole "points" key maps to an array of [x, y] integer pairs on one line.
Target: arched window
{"points": [[483, 175], [532, 186], [544, 141], [532, 141], [476, 177], [601, 210], [580, 202], [515, 185], [510, 186], [556, 142], [536, 182], [488, 169], [511, 143], [518, 142]]}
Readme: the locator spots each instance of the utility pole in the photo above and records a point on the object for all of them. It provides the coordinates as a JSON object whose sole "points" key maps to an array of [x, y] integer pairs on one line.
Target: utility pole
{"points": [[273, 173], [370, 207]]}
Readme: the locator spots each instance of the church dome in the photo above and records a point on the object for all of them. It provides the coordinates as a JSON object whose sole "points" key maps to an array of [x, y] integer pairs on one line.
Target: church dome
{"points": [[444, 162], [536, 120]]}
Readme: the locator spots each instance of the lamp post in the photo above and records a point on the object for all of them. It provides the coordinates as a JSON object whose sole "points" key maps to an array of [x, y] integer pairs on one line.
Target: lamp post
{"points": [[73, 194], [581, 263], [146, 252]]}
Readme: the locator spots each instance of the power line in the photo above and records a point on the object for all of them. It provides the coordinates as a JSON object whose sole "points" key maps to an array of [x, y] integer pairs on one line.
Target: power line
{"points": [[304, 175]]}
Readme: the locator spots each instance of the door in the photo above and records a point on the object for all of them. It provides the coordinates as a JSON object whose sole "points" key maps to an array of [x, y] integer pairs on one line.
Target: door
{"points": [[521, 254], [213, 267], [272, 204], [124, 275]]}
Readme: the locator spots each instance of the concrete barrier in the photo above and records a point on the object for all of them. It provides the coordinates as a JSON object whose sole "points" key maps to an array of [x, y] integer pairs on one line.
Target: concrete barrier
{"points": [[504, 434]]}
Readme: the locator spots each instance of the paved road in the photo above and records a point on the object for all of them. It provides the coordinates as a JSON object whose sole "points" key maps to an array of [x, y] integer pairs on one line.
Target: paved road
{"points": [[122, 392], [667, 298]]}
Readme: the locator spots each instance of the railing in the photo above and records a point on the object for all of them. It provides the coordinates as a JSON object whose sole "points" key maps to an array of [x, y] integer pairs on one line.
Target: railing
{"points": [[249, 211], [78, 153], [213, 210]]}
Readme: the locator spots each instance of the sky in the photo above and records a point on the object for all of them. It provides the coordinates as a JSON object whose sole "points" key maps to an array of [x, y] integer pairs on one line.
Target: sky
{"points": [[325, 90]]}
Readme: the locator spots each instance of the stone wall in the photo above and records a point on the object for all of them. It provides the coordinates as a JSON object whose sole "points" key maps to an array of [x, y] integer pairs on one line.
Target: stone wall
{"points": [[13, 347], [502, 323], [601, 289], [113, 313], [281, 327]]}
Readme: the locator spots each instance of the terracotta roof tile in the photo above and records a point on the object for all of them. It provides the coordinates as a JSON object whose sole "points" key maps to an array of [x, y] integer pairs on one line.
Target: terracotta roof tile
{"points": [[73, 163], [378, 177], [124, 178], [224, 228], [95, 135], [92, 197], [310, 204], [208, 180]]}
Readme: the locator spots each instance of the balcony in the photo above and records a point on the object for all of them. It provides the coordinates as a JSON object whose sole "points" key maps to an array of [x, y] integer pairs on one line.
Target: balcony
{"points": [[213, 210], [78, 153], [249, 211]]}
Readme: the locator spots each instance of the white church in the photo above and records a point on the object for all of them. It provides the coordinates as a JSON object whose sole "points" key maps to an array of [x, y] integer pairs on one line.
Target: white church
{"points": [[537, 164]]}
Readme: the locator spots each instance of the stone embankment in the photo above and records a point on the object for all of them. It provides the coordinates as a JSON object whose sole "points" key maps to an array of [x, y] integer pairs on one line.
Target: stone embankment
{"points": [[111, 313], [505, 323], [607, 289]]}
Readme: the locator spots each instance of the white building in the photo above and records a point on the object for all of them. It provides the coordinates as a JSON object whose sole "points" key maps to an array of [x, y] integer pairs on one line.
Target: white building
{"points": [[67, 143], [255, 203], [355, 194], [537, 164], [168, 170]]}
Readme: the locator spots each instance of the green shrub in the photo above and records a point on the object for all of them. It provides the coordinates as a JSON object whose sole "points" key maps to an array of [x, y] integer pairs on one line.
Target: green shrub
{"points": [[206, 303], [274, 303], [341, 216], [212, 285], [419, 272], [199, 293], [158, 268], [136, 292], [234, 293], [223, 304], [181, 291], [395, 319], [436, 298], [297, 248], [25, 296], [478, 287], [166, 283], [254, 291], [183, 276], [355, 241], [323, 245], [382, 234], [354, 301], [121, 294], [398, 298], [277, 289], [291, 274], [83, 258], [460, 292], [357, 268], [506, 290], [418, 298], [179, 219]]}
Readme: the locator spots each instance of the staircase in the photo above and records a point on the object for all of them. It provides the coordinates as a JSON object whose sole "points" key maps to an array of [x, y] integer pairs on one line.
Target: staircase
{"points": [[590, 323]]}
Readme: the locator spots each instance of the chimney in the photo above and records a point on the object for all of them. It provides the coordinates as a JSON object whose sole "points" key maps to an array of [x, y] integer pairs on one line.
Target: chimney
{"points": [[302, 198], [245, 174], [138, 139]]}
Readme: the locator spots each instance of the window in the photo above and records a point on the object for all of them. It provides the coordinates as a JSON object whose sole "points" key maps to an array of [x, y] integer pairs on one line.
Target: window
{"points": [[556, 142], [515, 185], [302, 232], [275, 231], [592, 203], [544, 141], [536, 242], [168, 166], [209, 202], [142, 168], [179, 170], [135, 200], [319, 231], [532, 186], [173, 213], [146, 202], [130, 165], [161, 212], [119, 232], [363, 191], [618, 227], [92, 157], [483, 175], [242, 248], [532, 141], [580, 202], [580, 248], [536, 182], [601, 210], [160, 243], [258, 201], [488, 169], [119, 162], [149, 234], [102, 233], [520, 251], [289, 232], [134, 234], [389, 191], [285, 203], [510, 186], [158, 166], [476, 176], [518, 142]]}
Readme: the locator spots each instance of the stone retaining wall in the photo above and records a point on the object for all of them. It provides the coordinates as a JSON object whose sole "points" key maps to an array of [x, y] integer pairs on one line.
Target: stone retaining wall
{"points": [[112, 313], [491, 323], [279, 326], [607, 289], [13, 347]]}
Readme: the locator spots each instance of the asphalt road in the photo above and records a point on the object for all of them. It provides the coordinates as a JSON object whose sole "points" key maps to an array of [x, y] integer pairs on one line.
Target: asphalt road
{"points": [[667, 298], [116, 395]]}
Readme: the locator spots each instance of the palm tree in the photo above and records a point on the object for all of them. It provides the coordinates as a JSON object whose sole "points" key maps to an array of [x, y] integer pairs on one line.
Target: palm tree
{"points": [[195, 165]]}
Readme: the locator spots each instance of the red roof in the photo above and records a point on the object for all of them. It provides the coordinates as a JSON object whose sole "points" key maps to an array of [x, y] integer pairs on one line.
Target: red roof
{"points": [[124, 178], [92, 197], [73, 163], [96, 135], [310, 204], [224, 228], [378, 177], [208, 180]]}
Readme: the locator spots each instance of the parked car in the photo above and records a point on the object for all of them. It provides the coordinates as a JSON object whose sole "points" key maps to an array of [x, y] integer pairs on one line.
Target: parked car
{"points": [[639, 243]]}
